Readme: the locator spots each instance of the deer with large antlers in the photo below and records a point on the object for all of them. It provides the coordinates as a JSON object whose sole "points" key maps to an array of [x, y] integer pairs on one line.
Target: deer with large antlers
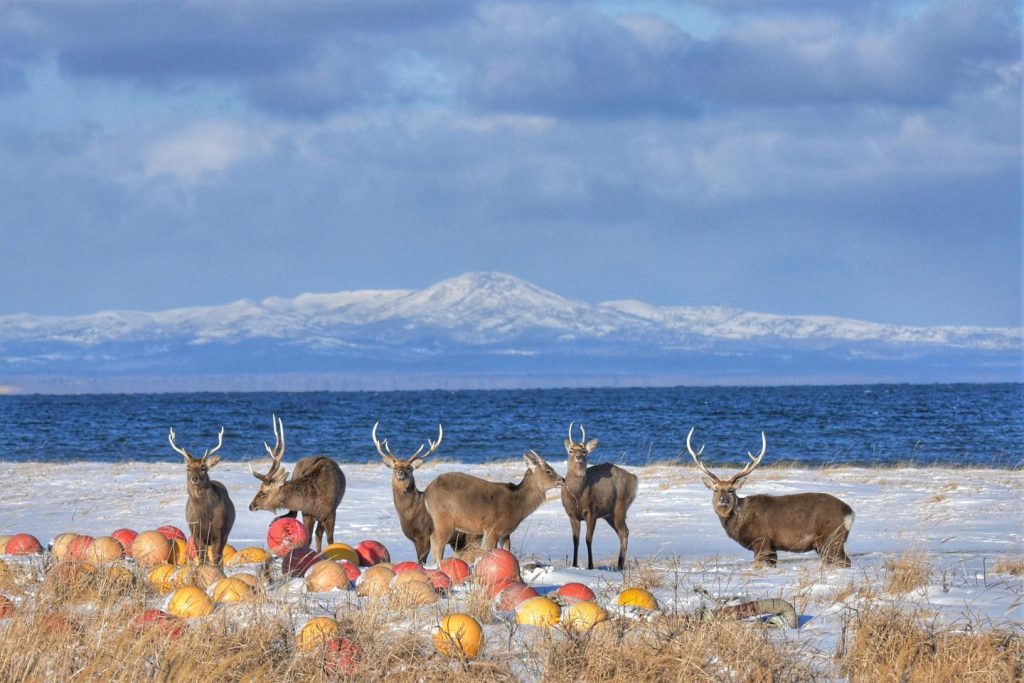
{"points": [[603, 491], [412, 513], [209, 512], [794, 523], [461, 502], [315, 489]]}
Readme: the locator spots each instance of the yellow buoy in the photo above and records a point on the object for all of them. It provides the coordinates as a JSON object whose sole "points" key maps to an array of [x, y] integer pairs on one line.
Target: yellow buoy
{"points": [[232, 590], [637, 597], [189, 602], [179, 552], [316, 632], [538, 611], [583, 615], [341, 551], [119, 576], [229, 552], [250, 555], [162, 577], [459, 635]]}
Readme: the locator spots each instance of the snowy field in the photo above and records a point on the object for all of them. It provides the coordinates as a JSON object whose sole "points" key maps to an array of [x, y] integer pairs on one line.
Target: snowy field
{"points": [[959, 522]]}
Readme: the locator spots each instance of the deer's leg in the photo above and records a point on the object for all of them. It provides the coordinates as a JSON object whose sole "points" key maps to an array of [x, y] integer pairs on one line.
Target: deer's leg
{"points": [[330, 527], [590, 520], [832, 551], [422, 545], [490, 540], [308, 522], [438, 539], [218, 551], [619, 524], [319, 530], [574, 524], [506, 543]]}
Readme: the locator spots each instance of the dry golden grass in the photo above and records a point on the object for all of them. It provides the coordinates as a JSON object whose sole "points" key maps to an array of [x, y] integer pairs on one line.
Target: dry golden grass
{"points": [[1010, 565], [77, 624], [888, 644], [671, 648], [908, 572]]}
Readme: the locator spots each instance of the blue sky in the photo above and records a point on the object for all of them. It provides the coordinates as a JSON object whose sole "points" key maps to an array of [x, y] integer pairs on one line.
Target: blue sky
{"points": [[860, 159]]}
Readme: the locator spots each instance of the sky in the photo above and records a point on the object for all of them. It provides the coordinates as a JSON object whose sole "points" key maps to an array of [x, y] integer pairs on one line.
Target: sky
{"points": [[859, 159]]}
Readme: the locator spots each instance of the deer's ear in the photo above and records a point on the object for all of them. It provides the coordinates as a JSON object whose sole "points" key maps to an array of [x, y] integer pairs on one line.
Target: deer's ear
{"points": [[736, 485], [280, 476], [709, 482], [388, 460], [591, 445], [212, 461], [568, 446], [531, 461]]}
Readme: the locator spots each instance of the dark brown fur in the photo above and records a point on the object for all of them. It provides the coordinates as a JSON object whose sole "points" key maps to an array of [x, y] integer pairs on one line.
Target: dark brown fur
{"points": [[315, 489], [795, 523], [767, 524], [412, 513], [603, 491], [209, 512]]}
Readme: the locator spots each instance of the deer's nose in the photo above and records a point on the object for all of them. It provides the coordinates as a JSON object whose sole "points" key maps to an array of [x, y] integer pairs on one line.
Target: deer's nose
{"points": [[252, 507]]}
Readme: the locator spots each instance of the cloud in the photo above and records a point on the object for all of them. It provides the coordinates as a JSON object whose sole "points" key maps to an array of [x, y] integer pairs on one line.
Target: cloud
{"points": [[203, 148]]}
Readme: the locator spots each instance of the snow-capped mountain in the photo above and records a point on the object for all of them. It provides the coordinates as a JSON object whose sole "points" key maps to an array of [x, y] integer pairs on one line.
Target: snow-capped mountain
{"points": [[488, 323]]}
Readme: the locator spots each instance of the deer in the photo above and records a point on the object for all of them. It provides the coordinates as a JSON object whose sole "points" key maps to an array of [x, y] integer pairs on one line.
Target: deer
{"points": [[461, 502], [412, 513], [602, 491], [209, 512], [766, 524], [315, 489]]}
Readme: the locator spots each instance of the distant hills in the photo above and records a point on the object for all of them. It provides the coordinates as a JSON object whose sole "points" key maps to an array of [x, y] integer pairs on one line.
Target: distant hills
{"points": [[479, 330]]}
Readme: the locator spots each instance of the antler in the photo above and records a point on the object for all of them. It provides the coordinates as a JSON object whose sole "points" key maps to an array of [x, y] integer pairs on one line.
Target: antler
{"points": [[583, 434], [433, 445], [171, 437], [696, 456], [220, 442], [276, 453], [381, 449], [385, 450], [754, 461]]}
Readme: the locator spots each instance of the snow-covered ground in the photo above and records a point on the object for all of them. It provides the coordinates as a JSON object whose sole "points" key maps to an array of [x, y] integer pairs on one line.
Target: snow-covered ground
{"points": [[961, 522]]}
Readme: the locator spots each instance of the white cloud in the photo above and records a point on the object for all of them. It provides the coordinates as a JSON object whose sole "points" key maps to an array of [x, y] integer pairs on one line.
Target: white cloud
{"points": [[204, 148]]}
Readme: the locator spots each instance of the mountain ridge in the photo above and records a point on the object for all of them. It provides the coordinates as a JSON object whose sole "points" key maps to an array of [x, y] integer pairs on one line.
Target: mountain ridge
{"points": [[490, 323]]}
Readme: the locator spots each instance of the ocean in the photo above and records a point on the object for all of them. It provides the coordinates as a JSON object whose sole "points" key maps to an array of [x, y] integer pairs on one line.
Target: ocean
{"points": [[956, 425]]}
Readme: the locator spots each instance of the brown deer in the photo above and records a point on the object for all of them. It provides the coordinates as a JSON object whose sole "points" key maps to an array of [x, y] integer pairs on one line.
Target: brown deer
{"points": [[315, 489], [209, 511], [412, 514], [603, 491], [766, 524], [461, 502]]}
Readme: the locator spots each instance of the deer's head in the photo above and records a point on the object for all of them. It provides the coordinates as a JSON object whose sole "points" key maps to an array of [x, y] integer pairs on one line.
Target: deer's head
{"points": [[402, 470], [271, 482], [723, 491], [578, 452], [543, 473], [198, 469]]}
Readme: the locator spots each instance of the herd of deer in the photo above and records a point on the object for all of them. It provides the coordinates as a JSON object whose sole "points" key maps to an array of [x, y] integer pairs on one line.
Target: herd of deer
{"points": [[458, 509]]}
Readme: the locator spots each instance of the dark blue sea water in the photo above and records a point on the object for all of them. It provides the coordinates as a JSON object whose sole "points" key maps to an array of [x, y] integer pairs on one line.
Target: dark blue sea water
{"points": [[953, 425]]}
